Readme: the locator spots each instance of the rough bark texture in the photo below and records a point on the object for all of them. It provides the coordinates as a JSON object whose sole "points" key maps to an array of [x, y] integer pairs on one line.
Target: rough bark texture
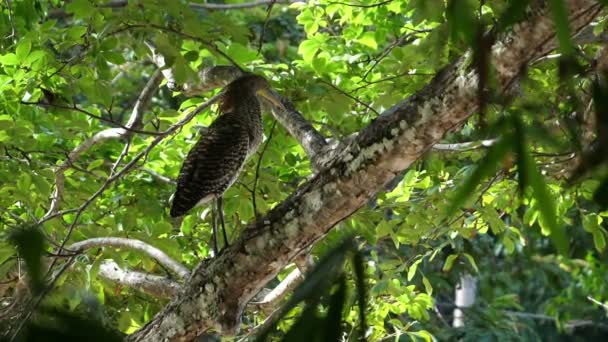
{"points": [[218, 290]]}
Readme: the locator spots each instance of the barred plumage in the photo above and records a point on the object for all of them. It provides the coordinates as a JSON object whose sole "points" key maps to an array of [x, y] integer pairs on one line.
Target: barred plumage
{"points": [[216, 160]]}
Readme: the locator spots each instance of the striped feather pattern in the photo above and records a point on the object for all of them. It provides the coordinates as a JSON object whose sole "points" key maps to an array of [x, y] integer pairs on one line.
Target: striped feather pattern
{"points": [[213, 164]]}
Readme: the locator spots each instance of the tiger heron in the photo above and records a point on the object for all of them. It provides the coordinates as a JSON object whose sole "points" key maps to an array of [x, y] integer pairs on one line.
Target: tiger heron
{"points": [[216, 160]]}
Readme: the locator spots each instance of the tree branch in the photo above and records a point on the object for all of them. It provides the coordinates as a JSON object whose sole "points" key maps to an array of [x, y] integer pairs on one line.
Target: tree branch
{"points": [[153, 285], [270, 299], [465, 146], [138, 245], [218, 291], [108, 134]]}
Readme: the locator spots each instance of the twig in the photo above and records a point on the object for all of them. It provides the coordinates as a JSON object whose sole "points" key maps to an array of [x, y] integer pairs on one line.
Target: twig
{"points": [[465, 146], [593, 300], [138, 245], [359, 5], [257, 169], [9, 6], [268, 11], [289, 283], [158, 176], [407, 73], [75, 108], [399, 41], [122, 155], [349, 96]]}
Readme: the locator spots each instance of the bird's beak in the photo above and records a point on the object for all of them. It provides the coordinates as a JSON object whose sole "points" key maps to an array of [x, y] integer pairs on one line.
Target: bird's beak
{"points": [[272, 97]]}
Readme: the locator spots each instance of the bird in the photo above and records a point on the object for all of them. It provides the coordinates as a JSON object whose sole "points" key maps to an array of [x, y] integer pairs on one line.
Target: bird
{"points": [[215, 161]]}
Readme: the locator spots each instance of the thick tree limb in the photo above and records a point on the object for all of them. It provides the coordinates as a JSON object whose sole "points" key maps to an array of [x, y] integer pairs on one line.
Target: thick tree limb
{"points": [[153, 285], [217, 292], [138, 245], [108, 134]]}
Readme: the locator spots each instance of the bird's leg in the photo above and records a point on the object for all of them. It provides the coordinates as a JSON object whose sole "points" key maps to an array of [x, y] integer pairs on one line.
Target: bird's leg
{"points": [[220, 208], [214, 227]]}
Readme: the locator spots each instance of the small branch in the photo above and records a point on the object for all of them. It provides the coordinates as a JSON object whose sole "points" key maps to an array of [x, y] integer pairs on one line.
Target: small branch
{"points": [[336, 88], [257, 169], [360, 5], [595, 301], [158, 176], [153, 285], [404, 39], [571, 324], [9, 7], [268, 12], [89, 114], [270, 300], [138, 245], [465, 146], [303, 262]]}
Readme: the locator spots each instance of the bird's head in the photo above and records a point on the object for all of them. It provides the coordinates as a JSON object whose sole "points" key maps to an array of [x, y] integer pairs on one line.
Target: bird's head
{"points": [[256, 84]]}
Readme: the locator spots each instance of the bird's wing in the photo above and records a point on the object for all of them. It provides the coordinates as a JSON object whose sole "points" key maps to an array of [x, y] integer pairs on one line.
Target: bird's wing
{"points": [[212, 165]]}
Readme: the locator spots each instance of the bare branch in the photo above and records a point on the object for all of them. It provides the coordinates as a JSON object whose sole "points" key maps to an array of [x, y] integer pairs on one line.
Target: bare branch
{"points": [[153, 285], [138, 245]]}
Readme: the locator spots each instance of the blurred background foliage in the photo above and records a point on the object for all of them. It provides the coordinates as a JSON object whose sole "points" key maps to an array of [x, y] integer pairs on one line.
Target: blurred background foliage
{"points": [[503, 212]]}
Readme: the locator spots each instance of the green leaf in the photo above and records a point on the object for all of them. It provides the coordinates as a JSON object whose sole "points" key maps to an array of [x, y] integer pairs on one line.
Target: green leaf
{"points": [[411, 272], [95, 164], [80, 8], [23, 48], [9, 59], [308, 49], [546, 205], [462, 21], [23, 182], [599, 240], [471, 261], [114, 57], [427, 285], [449, 262], [368, 39], [76, 32]]}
